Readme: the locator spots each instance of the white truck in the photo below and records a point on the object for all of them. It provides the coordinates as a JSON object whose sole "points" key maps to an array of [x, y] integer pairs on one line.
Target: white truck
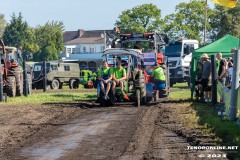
{"points": [[179, 55]]}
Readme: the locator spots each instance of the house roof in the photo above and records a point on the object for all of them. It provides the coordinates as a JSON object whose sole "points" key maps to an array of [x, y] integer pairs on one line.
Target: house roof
{"points": [[90, 40], [84, 37]]}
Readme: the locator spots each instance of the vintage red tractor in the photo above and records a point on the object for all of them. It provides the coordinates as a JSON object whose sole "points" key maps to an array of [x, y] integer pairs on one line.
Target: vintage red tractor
{"points": [[11, 71]]}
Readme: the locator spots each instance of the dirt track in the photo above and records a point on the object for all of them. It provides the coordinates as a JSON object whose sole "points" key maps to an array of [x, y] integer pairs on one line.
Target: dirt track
{"points": [[83, 131]]}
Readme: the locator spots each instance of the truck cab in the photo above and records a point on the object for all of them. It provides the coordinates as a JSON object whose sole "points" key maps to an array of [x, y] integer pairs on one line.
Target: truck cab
{"points": [[179, 55]]}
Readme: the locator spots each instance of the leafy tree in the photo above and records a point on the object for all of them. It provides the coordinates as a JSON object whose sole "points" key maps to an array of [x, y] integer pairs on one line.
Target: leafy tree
{"points": [[3, 24], [50, 40], [19, 35], [16, 33], [225, 21], [188, 21], [48, 52], [140, 19]]}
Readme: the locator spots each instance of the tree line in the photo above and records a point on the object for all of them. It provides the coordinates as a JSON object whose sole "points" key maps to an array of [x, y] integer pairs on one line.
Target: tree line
{"points": [[45, 42], [39, 43]]}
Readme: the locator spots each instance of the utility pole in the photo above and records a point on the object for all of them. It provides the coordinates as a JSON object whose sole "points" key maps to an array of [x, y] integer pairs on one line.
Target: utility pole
{"points": [[205, 22], [235, 84], [44, 76]]}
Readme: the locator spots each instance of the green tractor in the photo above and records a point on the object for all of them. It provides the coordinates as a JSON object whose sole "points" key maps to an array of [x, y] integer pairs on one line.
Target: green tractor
{"points": [[88, 78], [134, 87]]}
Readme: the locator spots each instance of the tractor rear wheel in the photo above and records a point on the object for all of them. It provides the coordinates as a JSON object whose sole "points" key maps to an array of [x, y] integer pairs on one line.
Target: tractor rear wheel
{"points": [[156, 95], [138, 98], [11, 86], [55, 84], [102, 101]]}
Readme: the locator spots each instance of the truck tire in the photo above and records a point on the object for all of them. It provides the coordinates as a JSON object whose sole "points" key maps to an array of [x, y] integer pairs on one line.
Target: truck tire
{"points": [[60, 85], [74, 84], [54, 84], [11, 86]]}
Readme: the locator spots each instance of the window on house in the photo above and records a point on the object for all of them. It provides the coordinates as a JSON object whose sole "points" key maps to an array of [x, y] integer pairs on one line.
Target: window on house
{"points": [[66, 68], [91, 49], [77, 50], [73, 50], [84, 49], [69, 50]]}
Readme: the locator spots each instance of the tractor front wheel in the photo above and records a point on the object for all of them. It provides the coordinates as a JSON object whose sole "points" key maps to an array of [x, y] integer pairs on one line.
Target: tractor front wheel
{"points": [[11, 86]]}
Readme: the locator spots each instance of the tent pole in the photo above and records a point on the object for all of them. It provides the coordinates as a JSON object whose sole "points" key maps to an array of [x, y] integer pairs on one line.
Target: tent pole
{"points": [[214, 81]]}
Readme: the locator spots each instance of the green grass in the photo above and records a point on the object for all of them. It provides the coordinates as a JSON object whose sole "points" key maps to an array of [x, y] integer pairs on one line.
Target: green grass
{"points": [[227, 131], [52, 97], [204, 116], [180, 91]]}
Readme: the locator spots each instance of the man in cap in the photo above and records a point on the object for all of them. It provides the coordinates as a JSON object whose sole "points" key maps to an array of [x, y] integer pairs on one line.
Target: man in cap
{"points": [[119, 76], [206, 76]]}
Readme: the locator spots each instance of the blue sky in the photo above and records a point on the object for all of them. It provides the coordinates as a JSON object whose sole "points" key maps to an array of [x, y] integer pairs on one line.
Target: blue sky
{"points": [[76, 14]]}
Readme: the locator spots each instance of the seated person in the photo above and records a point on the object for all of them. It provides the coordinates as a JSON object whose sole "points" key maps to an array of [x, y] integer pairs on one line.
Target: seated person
{"points": [[119, 76], [105, 77], [137, 45], [123, 62], [158, 74]]}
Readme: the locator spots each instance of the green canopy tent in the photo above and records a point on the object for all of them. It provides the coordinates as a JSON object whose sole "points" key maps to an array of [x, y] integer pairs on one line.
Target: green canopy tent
{"points": [[223, 45]]}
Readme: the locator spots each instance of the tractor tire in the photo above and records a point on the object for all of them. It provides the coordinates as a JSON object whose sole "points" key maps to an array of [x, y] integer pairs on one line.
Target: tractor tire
{"points": [[138, 98], [74, 84], [156, 95], [29, 81], [102, 101], [55, 84], [111, 101], [19, 82], [11, 86]]}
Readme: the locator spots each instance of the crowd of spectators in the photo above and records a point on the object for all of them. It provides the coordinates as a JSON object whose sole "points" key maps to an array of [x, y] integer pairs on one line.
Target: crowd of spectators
{"points": [[224, 73]]}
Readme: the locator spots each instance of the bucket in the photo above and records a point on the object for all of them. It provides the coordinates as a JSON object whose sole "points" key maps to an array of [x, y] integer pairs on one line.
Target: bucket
{"points": [[160, 85]]}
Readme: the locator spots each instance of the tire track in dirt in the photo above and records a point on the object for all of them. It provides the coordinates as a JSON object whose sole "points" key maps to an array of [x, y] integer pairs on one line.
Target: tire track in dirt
{"points": [[161, 135], [143, 133]]}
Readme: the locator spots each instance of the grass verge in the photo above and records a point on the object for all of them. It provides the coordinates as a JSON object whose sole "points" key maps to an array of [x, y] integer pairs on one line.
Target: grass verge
{"points": [[52, 97], [204, 117]]}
